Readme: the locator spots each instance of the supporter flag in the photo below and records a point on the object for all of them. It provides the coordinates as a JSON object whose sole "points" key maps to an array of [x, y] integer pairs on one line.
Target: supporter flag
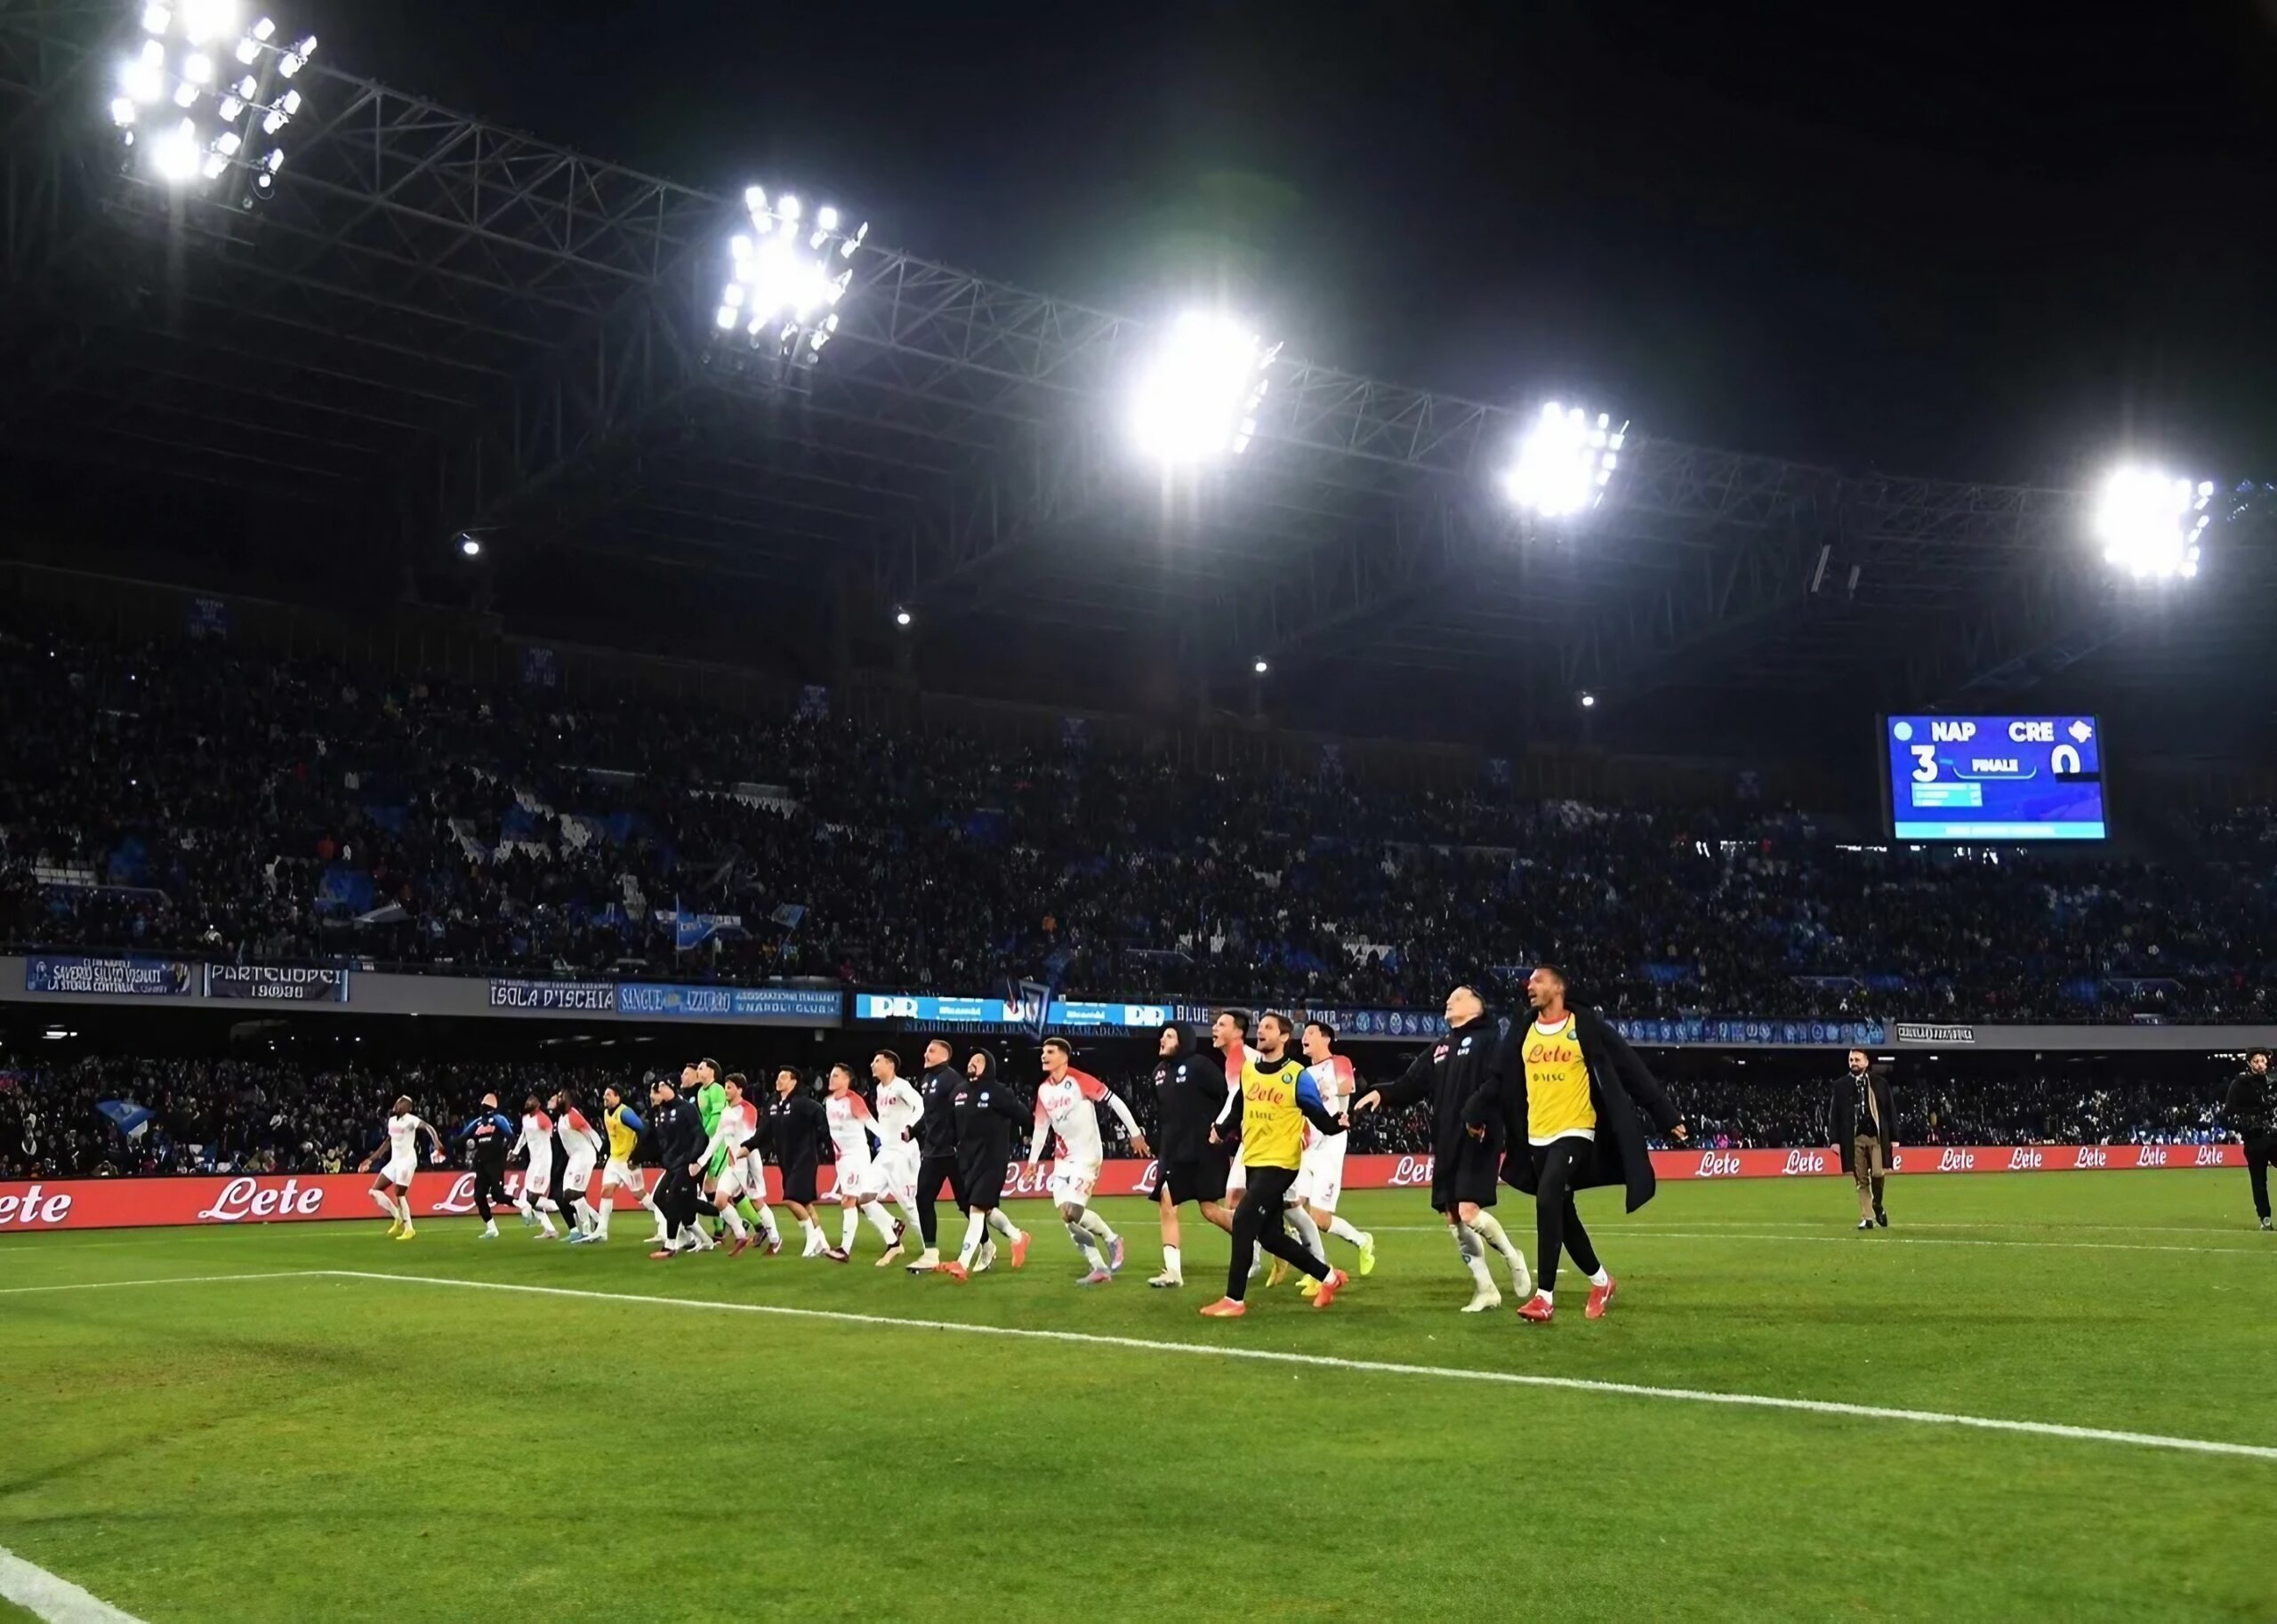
{"points": [[131, 1119], [692, 929], [788, 915]]}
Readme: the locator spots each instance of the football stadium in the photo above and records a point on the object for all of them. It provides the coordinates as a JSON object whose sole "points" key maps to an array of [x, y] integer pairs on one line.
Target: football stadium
{"points": [[1463, 1004]]}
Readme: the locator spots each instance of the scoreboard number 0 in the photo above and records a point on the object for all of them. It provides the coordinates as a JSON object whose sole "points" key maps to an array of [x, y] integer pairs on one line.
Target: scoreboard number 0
{"points": [[2063, 759]]}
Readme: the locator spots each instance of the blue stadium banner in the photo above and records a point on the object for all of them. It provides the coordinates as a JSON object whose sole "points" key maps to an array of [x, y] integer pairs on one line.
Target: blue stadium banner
{"points": [[779, 1006], [277, 983], [555, 997], [541, 667], [1029, 1014], [1376, 1022], [1694, 1030], [135, 977]]}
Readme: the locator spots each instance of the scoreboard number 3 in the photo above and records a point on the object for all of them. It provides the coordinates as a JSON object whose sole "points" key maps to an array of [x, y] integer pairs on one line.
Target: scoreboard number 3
{"points": [[1925, 762]]}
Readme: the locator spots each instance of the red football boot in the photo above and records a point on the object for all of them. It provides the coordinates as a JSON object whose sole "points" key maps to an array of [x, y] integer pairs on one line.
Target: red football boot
{"points": [[1537, 1308]]}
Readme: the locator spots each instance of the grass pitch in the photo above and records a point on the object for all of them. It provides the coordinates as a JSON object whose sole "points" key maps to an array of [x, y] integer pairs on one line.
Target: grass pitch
{"points": [[320, 1444]]}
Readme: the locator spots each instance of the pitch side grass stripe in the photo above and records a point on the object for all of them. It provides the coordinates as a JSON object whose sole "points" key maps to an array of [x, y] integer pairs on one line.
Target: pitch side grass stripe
{"points": [[1879, 1238], [1376, 1367], [58, 1600]]}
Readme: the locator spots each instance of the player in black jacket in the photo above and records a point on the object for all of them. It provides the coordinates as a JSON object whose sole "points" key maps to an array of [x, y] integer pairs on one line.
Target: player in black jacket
{"points": [[1464, 1168], [2251, 1109], [679, 1129], [988, 1114], [795, 1128], [936, 1149], [1189, 1092], [490, 1132]]}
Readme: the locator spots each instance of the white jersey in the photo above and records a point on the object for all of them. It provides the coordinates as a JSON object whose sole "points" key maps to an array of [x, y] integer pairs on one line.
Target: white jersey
{"points": [[403, 1139], [850, 1126], [1237, 1175], [1067, 1108], [901, 1107], [736, 1124], [537, 1138], [1335, 1080], [580, 1144]]}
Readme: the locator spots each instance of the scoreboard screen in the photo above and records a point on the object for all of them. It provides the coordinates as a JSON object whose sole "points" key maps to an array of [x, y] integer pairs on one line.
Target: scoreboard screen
{"points": [[1994, 778]]}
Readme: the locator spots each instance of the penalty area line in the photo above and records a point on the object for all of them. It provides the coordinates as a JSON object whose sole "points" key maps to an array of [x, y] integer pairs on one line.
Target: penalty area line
{"points": [[1375, 1367], [58, 1600]]}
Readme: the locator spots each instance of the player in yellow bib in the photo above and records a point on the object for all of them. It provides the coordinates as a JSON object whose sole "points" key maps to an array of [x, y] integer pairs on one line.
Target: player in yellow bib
{"points": [[1568, 1093], [1268, 1113]]}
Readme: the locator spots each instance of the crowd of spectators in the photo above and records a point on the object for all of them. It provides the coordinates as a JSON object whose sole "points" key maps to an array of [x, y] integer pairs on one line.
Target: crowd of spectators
{"points": [[274, 1115], [193, 798]]}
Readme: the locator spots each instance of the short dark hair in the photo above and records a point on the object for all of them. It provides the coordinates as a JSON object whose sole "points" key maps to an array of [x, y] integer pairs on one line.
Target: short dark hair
{"points": [[1325, 1029], [1240, 1017], [1552, 969], [786, 1071], [709, 1062], [2253, 1054], [738, 1079], [1062, 1045], [1277, 1018], [886, 1054], [840, 1066]]}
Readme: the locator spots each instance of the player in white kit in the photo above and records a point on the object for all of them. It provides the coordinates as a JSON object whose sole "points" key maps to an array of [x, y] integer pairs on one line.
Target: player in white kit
{"points": [[893, 1174], [851, 1130], [1066, 1106], [391, 1190], [537, 1177], [581, 1150], [1320, 1172]]}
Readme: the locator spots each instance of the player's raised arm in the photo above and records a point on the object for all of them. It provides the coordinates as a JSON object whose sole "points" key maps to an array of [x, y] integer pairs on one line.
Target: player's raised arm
{"points": [[1413, 1085], [1094, 1089]]}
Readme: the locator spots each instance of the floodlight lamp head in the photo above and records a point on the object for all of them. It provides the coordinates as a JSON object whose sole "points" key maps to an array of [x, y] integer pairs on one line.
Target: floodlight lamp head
{"points": [[2151, 524], [1565, 462], [1198, 392]]}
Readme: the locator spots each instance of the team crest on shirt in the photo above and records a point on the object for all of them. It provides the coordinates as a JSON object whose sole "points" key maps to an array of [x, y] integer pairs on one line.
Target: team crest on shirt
{"points": [[1465, 1048]]}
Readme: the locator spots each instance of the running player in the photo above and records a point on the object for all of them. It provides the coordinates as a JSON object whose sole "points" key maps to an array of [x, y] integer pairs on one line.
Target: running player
{"points": [[988, 1114], [1275, 1101], [391, 1190], [724, 1149], [623, 1127], [894, 1173], [1320, 1175], [750, 1169], [1066, 1105], [537, 1177], [795, 1127], [851, 1130], [581, 1148], [703, 1086]]}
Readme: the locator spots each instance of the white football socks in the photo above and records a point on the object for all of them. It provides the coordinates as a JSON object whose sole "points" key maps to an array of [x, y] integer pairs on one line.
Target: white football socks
{"points": [[386, 1204], [1306, 1231], [1003, 1226], [1343, 1231], [1473, 1251], [976, 1231]]}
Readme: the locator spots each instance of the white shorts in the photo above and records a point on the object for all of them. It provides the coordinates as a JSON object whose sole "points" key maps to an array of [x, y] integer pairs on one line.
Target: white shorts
{"points": [[1320, 1173], [619, 1176], [896, 1170], [753, 1168], [398, 1171], [858, 1179], [1237, 1175], [730, 1183], [575, 1177], [1073, 1182], [537, 1180]]}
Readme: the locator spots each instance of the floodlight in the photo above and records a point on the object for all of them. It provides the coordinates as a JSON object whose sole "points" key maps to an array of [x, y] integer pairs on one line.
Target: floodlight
{"points": [[779, 286], [1197, 395], [901, 617], [180, 63], [1565, 461], [205, 19], [1589, 701], [469, 546], [175, 153], [1260, 667], [2150, 522]]}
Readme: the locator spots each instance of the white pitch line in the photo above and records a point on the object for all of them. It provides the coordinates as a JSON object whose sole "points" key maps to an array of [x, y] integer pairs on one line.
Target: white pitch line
{"points": [[58, 1600], [160, 1280], [1571, 1384]]}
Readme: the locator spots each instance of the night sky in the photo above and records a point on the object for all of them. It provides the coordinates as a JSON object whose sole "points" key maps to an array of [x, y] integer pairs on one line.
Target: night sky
{"points": [[1987, 241]]}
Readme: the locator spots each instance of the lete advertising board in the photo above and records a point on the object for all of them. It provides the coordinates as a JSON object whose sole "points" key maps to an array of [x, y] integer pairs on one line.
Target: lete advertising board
{"points": [[274, 1198]]}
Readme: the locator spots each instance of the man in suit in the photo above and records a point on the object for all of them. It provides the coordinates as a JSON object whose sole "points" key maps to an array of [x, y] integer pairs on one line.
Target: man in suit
{"points": [[1864, 1121]]}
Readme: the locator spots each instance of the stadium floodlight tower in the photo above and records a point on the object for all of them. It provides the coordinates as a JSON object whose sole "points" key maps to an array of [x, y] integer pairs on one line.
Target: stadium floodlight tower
{"points": [[1198, 392], [204, 98], [1566, 460], [787, 274], [2150, 522]]}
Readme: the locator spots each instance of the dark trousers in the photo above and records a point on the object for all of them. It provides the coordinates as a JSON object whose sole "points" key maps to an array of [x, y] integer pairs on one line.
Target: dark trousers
{"points": [[490, 1186], [2260, 1150], [1258, 1222], [930, 1173], [676, 1202], [1557, 1223]]}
